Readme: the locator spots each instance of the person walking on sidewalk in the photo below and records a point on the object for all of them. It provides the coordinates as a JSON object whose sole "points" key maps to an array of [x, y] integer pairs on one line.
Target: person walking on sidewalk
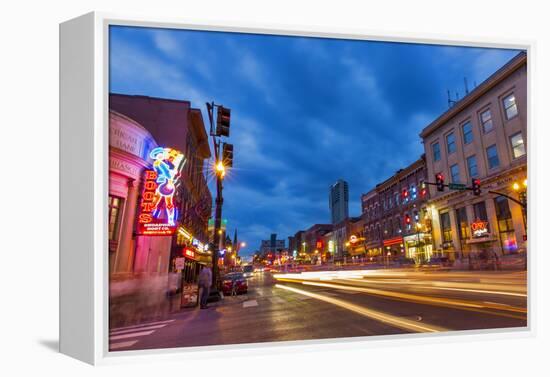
{"points": [[205, 280]]}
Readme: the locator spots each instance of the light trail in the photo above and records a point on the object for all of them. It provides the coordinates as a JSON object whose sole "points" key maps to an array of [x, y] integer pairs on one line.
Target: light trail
{"points": [[423, 299], [449, 286], [401, 323]]}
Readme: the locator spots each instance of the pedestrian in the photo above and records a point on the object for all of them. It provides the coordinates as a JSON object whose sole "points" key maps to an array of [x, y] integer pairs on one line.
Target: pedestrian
{"points": [[205, 280]]}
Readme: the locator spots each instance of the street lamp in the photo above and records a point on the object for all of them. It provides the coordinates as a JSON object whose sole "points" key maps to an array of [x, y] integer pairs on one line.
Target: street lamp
{"points": [[220, 169], [418, 228], [521, 189], [222, 157]]}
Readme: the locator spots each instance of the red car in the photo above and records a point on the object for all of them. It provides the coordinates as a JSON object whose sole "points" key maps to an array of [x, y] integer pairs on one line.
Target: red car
{"points": [[234, 283]]}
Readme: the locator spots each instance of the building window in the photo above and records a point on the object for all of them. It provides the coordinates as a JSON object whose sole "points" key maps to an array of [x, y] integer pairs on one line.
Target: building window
{"points": [[436, 152], [462, 223], [472, 166], [480, 212], [115, 211], [492, 156], [446, 231], [505, 225], [455, 174], [451, 144], [510, 107], [486, 121], [518, 148], [467, 133]]}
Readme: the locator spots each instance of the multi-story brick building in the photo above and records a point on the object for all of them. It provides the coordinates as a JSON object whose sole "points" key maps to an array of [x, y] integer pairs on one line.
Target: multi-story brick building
{"points": [[176, 124], [483, 136]]}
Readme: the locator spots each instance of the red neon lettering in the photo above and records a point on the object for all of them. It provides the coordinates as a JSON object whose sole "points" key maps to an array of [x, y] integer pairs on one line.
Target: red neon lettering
{"points": [[150, 174], [148, 196], [147, 207], [145, 218], [150, 185]]}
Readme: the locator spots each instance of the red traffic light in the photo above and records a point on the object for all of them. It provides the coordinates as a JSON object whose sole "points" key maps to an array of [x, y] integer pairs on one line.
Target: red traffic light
{"points": [[440, 181], [405, 193], [407, 219], [476, 186]]}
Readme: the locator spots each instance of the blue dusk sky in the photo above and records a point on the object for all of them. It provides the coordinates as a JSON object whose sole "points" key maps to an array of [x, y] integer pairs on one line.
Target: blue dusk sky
{"points": [[305, 111]]}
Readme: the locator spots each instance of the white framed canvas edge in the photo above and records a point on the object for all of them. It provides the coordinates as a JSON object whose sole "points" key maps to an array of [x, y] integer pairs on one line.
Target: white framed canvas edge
{"points": [[84, 54]]}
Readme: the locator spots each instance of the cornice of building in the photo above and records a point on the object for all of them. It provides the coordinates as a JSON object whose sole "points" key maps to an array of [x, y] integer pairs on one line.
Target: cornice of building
{"points": [[505, 71]]}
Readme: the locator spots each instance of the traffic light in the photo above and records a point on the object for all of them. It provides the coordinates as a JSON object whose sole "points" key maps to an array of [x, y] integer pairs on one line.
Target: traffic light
{"points": [[440, 181], [223, 121], [407, 219], [405, 193], [227, 155], [476, 186], [423, 190]]}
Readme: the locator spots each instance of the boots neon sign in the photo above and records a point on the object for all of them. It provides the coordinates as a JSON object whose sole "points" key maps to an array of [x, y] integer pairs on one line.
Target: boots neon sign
{"points": [[157, 208]]}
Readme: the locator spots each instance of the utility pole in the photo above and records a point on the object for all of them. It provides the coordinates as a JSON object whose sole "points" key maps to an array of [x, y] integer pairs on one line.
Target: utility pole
{"points": [[222, 159]]}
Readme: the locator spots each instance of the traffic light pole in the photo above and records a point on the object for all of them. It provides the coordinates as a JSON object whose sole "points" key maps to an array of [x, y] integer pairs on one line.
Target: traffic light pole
{"points": [[216, 133], [523, 205], [217, 225]]}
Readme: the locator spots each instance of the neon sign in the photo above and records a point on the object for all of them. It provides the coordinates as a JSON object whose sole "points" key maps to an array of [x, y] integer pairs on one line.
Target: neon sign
{"points": [[157, 209], [189, 253], [353, 239], [480, 228]]}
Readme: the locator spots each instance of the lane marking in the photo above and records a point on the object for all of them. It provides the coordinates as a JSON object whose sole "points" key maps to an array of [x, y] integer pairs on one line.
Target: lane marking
{"points": [[118, 332], [114, 346], [131, 335], [142, 325], [250, 303], [374, 314]]}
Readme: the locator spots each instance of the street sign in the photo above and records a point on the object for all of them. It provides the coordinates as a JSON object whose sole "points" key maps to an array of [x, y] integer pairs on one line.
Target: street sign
{"points": [[457, 186], [180, 263]]}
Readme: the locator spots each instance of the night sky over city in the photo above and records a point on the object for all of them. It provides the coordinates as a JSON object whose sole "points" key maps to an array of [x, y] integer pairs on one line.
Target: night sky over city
{"points": [[305, 111]]}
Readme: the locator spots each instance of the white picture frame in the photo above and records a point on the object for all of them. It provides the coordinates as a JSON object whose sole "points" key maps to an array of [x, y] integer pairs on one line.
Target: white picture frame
{"points": [[84, 187]]}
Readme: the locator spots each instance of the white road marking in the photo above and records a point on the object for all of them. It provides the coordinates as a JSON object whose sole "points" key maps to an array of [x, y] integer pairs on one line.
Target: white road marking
{"points": [[131, 335], [250, 303], [142, 325], [115, 346], [118, 332]]}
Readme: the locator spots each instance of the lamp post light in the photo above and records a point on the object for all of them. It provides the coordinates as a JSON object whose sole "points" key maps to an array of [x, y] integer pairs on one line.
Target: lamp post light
{"points": [[521, 190], [223, 159]]}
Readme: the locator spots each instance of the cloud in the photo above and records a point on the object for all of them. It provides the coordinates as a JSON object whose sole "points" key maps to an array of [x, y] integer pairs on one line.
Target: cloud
{"points": [[132, 70], [256, 74], [361, 77], [305, 111]]}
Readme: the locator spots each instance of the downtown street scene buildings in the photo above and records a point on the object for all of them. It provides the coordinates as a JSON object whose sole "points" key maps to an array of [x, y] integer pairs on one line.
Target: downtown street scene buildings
{"points": [[481, 137], [370, 205], [143, 263]]}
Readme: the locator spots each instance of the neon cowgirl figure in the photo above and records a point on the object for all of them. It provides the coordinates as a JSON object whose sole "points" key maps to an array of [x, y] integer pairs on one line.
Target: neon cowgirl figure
{"points": [[166, 164]]}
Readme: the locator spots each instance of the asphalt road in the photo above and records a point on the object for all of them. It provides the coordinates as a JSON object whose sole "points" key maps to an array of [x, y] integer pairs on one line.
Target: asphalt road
{"points": [[343, 304]]}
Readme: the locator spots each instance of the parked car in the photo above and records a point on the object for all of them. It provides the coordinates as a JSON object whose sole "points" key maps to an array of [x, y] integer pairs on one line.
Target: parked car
{"points": [[234, 283]]}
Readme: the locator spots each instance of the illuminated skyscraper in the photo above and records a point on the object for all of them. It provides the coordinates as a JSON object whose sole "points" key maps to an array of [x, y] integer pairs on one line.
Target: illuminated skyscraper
{"points": [[339, 201]]}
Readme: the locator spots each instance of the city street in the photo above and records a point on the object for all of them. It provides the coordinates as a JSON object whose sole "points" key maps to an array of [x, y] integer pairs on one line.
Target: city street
{"points": [[340, 304]]}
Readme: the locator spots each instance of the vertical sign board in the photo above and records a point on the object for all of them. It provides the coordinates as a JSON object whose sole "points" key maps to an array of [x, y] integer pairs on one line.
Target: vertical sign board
{"points": [[149, 223]]}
